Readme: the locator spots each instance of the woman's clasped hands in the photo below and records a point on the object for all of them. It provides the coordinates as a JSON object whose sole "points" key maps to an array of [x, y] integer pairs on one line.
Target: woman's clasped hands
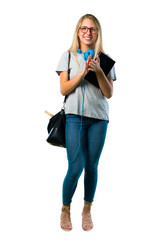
{"points": [[92, 65]]}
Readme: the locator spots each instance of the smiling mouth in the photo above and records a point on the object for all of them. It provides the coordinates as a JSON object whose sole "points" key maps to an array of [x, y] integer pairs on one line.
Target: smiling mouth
{"points": [[88, 38]]}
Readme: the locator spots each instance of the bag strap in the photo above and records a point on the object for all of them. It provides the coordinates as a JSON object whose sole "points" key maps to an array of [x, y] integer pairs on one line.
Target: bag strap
{"points": [[69, 57]]}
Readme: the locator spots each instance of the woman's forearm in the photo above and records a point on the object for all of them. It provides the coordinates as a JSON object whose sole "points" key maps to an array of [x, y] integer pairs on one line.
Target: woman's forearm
{"points": [[67, 86], [106, 86]]}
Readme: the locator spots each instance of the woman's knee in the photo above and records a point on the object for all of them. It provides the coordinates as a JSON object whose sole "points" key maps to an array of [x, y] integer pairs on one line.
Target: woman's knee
{"points": [[74, 173], [91, 169]]}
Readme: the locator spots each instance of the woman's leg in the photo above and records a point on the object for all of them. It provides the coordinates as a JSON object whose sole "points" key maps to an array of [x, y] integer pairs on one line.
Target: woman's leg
{"points": [[96, 138], [76, 151]]}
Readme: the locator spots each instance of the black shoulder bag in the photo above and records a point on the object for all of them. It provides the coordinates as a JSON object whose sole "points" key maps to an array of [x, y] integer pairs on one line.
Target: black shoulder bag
{"points": [[57, 124]]}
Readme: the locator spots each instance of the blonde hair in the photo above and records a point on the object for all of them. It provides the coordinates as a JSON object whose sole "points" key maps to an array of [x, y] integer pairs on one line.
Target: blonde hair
{"points": [[76, 43]]}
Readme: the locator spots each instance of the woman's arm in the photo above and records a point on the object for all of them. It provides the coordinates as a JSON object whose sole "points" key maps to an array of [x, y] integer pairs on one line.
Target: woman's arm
{"points": [[106, 85], [66, 86]]}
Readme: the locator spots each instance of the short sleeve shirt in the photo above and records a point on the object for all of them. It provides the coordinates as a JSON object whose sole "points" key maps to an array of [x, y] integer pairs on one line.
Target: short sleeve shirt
{"points": [[95, 103]]}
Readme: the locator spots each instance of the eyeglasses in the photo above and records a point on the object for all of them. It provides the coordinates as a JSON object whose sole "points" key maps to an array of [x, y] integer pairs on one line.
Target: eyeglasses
{"points": [[85, 29]]}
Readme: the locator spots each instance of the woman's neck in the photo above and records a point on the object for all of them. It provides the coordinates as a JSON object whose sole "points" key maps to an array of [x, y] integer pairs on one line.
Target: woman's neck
{"points": [[86, 48]]}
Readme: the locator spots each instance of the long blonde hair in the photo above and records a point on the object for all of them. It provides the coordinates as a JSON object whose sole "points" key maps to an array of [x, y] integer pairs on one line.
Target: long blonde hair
{"points": [[76, 42]]}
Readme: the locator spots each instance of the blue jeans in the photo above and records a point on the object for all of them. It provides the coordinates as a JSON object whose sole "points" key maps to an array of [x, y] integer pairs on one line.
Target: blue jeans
{"points": [[84, 143]]}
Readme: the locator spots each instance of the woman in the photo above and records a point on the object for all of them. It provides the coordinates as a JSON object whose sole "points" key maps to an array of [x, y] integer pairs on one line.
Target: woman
{"points": [[86, 114]]}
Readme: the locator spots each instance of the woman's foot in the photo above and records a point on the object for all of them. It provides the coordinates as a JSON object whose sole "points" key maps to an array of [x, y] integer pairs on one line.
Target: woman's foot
{"points": [[87, 223], [65, 218]]}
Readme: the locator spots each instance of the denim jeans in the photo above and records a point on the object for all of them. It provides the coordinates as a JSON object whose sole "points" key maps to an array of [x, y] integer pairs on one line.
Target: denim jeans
{"points": [[84, 143]]}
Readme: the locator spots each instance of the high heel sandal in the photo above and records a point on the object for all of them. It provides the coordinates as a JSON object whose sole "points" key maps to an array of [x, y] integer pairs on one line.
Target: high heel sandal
{"points": [[66, 224]]}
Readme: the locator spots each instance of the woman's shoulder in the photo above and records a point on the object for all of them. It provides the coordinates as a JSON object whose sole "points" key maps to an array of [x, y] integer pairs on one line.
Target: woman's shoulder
{"points": [[64, 57], [64, 54]]}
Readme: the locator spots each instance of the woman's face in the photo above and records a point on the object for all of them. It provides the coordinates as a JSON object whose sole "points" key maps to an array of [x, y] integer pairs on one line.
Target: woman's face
{"points": [[87, 35]]}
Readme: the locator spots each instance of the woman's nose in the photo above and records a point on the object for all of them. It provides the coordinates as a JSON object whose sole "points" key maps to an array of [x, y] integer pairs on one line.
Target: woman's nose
{"points": [[89, 31]]}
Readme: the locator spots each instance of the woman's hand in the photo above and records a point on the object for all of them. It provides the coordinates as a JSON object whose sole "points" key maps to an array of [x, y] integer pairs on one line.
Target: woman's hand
{"points": [[105, 84], [67, 86], [86, 66], [94, 65]]}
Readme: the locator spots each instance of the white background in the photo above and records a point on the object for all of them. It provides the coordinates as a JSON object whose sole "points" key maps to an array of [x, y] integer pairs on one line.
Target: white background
{"points": [[34, 34]]}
